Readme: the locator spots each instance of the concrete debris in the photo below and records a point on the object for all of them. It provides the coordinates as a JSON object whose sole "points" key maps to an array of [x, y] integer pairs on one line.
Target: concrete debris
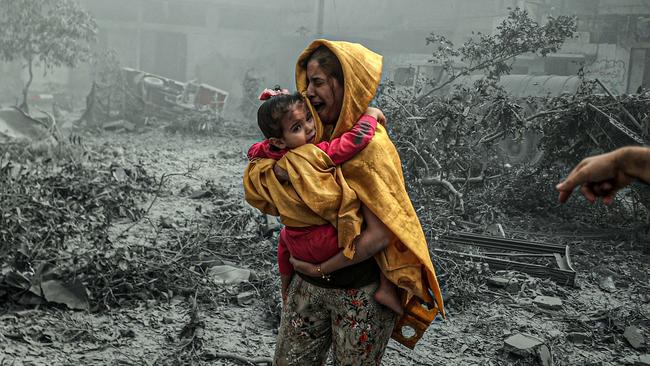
{"points": [[245, 298], [644, 360], [526, 345], [548, 302], [634, 337], [272, 224], [522, 344], [607, 284], [511, 285], [495, 230], [545, 356], [578, 338]]}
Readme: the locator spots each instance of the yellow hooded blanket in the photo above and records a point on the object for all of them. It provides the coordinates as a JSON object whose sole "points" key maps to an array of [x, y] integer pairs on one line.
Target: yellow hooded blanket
{"points": [[321, 193]]}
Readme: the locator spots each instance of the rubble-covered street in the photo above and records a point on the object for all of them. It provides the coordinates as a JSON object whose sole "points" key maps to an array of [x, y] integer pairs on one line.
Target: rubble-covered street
{"points": [[486, 160], [603, 320]]}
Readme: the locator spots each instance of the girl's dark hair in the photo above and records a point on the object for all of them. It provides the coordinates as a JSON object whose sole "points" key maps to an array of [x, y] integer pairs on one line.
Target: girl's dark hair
{"points": [[271, 112], [328, 61]]}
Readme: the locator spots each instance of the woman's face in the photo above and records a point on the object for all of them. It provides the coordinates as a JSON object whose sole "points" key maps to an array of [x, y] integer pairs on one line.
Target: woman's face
{"points": [[324, 92]]}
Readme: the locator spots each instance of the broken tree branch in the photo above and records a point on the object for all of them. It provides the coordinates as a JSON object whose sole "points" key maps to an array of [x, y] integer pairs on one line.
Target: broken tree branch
{"points": [[447, 185], [627, 113]]}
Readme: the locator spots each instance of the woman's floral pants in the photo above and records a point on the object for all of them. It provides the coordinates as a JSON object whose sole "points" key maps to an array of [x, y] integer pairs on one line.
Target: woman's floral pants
{"points": [[349, 320]]}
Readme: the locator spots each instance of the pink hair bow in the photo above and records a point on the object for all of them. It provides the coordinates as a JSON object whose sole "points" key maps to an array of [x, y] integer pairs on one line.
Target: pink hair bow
{"points": [[269, 93]]}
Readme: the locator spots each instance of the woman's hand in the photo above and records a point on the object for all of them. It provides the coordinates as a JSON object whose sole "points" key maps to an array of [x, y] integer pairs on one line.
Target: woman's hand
{"points": [[376, 114], [305, 268]]}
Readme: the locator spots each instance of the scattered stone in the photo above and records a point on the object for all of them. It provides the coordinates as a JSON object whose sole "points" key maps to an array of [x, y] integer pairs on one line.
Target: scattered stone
{"points": [[555, 333], [495, 230], [200, 194], [526, 345], [245, 298], [522, 344], [229, 275], [548, 302], [644, 360], [607, 284], [578, 338], [634, 337], [272, 224], [166, 223], [545, 355], [511, 285]]}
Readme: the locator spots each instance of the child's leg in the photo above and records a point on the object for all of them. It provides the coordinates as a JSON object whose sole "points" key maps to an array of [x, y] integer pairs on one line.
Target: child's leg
{"points": [[386, 295]]}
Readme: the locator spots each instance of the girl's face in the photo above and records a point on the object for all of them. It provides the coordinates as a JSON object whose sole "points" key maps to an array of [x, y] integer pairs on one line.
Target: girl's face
{"points": [[297, 128], [324, 92]]}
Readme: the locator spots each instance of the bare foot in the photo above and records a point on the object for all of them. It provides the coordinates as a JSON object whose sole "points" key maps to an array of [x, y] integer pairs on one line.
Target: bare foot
{"points": [[386, 295]]}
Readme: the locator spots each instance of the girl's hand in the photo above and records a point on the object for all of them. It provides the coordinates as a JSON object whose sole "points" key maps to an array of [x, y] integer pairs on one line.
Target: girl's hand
{"points": [[280, 174], [376, 114], [303, 267]]}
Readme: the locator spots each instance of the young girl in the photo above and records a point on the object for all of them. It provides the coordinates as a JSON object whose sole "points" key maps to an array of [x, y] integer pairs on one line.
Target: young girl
{"points": [[287, 124]]}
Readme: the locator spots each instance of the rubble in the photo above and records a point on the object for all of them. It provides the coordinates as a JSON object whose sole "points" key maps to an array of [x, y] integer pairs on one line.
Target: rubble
{"points": [[564, 274], [511, 285], [246, 298], [578, 338], [526, 345], [634, 337], [548, 302], [607, 284], [644, 360]]}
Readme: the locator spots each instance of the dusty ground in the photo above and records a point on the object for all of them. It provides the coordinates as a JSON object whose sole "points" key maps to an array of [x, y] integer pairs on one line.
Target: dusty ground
{"points": [[147, 332]]}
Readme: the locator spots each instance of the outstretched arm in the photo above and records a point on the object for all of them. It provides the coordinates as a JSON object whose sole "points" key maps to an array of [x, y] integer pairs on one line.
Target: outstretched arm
{"points": [[604, 175], [346, 146], [374, 238]]}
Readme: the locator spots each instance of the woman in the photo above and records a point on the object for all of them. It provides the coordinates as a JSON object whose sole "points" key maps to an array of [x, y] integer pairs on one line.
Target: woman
{"points": [[340, 79]]}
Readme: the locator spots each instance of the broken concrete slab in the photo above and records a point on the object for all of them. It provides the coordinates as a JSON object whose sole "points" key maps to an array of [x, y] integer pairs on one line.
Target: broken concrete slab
{"points": [[511, 285], [607, 284], [522, 344], [548, 302], [545, 356], [644, 360], [526, 345], [634, 337]]}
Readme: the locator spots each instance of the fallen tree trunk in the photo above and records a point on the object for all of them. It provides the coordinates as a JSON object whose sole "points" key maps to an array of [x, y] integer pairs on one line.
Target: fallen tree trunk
{"points": [[447, 185]]}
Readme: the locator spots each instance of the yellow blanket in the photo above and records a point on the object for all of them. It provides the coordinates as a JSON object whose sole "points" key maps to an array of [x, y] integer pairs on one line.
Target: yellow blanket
{"points": [[374, 176], [318, 194]]}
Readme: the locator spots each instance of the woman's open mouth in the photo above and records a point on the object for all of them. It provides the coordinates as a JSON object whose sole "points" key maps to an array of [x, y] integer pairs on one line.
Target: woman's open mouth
{"points": [[318, 106]]}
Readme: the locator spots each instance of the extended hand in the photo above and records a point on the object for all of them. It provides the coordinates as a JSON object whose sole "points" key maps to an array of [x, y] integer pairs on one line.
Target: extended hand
{"points": [[599, 176], [305, 268]]}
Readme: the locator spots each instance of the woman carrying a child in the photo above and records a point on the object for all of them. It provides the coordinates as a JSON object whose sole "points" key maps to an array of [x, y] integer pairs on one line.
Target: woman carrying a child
{"points": [[356, 178]]}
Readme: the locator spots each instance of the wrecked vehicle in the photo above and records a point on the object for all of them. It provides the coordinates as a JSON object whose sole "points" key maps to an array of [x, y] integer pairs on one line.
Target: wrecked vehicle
{"points": [[142, 97], [170, 97]]}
